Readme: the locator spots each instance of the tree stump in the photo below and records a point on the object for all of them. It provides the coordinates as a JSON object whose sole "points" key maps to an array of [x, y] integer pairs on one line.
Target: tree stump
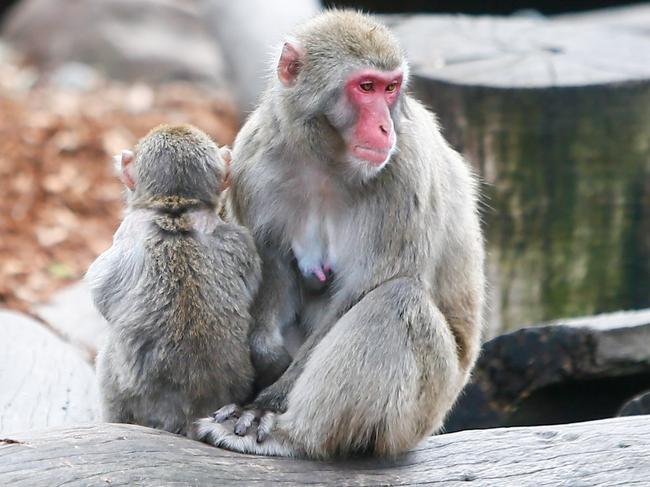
{"points": [[609, 452], [555, 117], [632, 18]]}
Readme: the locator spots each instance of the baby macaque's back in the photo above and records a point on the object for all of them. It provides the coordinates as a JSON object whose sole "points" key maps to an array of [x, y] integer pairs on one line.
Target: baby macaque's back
{"points": [[175, 287]]}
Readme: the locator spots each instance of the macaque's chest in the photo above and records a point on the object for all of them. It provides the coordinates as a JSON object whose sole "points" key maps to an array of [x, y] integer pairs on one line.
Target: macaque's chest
{"points": [[314, 246], [317, 230]]}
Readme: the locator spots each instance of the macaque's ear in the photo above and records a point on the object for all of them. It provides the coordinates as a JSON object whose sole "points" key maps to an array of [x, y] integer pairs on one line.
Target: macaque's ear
{"points": [[124, 166], [226, 155], [290, 63]]}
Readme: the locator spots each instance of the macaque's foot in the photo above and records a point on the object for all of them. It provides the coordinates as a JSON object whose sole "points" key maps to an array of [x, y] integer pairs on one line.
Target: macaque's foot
{"points": [[265, 426], [221, 435], [226, 412], [258, 422]]}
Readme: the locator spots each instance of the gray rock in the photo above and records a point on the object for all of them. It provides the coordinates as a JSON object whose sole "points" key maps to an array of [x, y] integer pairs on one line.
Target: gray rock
{"points": [[144, 40], [45, 383], [560, 372], [72, 314]]}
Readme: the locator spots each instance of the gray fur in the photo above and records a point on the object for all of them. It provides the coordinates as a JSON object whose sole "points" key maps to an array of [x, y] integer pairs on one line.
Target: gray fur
{"points": [[177, 161], [175, 287], [392, 339]]}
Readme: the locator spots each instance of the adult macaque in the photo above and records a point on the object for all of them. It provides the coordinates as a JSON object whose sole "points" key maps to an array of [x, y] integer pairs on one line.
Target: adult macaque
{"points": [[175, 288], [341, 170]]}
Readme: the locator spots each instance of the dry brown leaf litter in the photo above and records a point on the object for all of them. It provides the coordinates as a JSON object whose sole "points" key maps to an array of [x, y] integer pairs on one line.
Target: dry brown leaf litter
{"points": [[60, 201]]}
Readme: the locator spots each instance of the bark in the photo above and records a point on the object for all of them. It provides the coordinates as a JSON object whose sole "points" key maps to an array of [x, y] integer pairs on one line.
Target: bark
{"points": [[608, 453]]}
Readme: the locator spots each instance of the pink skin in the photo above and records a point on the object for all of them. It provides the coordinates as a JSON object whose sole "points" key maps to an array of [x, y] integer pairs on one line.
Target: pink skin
{"points": [[321, 273], [126, 169], [373, 93]]}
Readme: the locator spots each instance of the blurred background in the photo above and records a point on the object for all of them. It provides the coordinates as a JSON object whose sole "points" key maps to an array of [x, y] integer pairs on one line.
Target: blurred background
{"points": [[548, 100]]}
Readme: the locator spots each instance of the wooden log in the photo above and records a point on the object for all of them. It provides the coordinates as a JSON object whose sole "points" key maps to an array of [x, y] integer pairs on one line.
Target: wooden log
{"points": [[609, 452], [554, 115], [560, 372], [72, 314], [45, 382]]}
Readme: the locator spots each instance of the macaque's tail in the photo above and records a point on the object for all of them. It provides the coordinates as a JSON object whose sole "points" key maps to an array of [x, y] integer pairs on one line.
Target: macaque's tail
{"points": [[222, 436]]}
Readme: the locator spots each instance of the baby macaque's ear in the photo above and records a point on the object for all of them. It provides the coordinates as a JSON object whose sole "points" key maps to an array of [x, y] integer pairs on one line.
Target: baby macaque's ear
{"points": [[125, 169], [226, 155]]}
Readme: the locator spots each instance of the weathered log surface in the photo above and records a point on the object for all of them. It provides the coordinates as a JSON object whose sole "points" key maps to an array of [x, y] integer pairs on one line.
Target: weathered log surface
{"points": [[609, 452], [73, 315], [44, 381], [565, 371]]}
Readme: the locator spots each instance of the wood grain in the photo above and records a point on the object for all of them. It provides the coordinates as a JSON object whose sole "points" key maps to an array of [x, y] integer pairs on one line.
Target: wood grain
{"points": [[44, 381], [607, 452]]}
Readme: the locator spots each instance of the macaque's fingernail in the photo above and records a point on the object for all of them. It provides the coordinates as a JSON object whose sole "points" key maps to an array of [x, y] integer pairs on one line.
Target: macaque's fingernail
{"points": [[240, 430], [320, 275]]}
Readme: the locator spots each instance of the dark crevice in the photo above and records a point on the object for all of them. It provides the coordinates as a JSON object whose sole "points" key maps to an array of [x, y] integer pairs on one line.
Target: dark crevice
{"points": [[575, 401]]}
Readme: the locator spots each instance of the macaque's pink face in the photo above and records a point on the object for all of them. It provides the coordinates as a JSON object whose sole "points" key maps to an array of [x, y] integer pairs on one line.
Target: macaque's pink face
{"points": [[372, 94], [362, 114]]}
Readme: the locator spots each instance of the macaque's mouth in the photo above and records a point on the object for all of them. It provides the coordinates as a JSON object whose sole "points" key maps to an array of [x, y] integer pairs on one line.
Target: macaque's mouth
{"points": [[375, 156]]}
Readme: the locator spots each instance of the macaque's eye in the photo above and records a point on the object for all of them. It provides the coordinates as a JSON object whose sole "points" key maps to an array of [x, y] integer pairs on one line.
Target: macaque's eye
{"points": [[391, 87], [366, 86]]}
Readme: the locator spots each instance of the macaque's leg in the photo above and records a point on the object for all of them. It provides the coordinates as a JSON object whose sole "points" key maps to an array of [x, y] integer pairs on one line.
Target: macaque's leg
{"points": [[382, 378]]}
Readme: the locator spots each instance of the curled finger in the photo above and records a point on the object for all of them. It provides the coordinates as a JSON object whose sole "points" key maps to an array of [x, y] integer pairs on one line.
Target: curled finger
{"points": [[267, 421], [226, 412], [245, 421]]}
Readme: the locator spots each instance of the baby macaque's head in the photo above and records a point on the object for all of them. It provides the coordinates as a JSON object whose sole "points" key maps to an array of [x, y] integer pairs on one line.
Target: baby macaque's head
{"points": [[175, 161]]}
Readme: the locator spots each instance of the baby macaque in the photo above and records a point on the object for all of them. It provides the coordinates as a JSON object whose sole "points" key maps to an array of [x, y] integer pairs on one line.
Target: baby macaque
{"points": [[175, 288]]}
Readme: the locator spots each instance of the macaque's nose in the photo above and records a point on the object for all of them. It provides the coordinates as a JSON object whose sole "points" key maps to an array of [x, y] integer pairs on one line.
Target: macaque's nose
{"points": [[381, 137]]}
